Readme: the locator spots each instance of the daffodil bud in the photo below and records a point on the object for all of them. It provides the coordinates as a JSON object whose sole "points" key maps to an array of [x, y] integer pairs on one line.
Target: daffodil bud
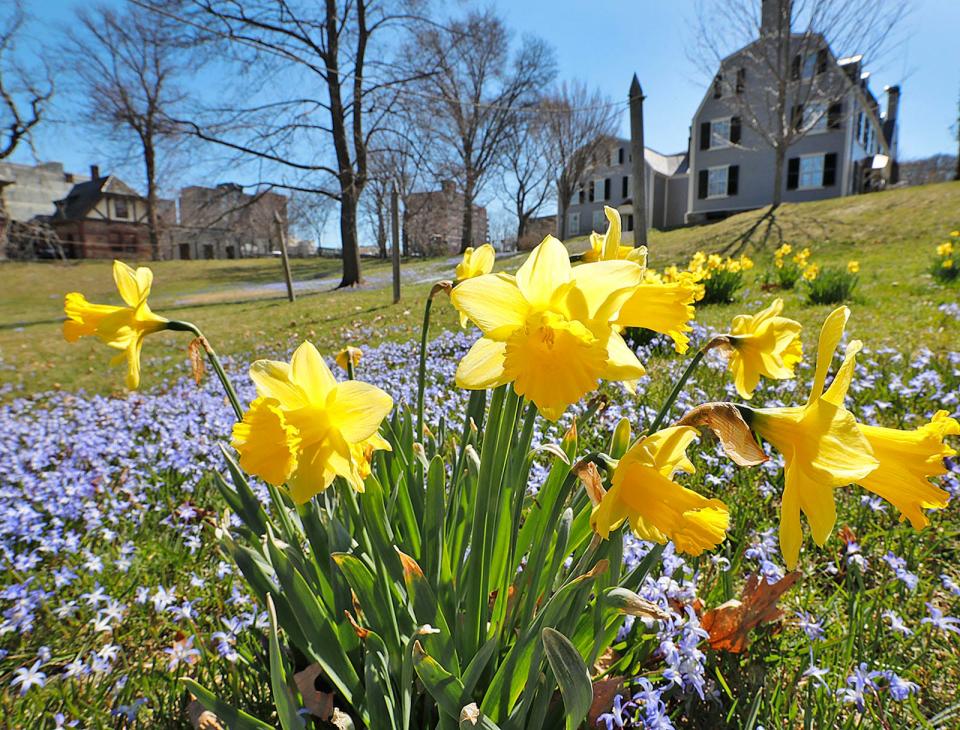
{"points": [[620, 439]]}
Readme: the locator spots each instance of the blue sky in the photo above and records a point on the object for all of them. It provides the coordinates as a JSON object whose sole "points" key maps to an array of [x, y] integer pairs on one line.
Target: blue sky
{"points": [[603, 42]]}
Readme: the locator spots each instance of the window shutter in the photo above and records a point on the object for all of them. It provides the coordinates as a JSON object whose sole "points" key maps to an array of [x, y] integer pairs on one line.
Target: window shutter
{"points": [[703, 180], [829, 169], [606, 189], [741, 79], [625, 187], [591, 192], [793, 173], [735, 130], [797, 117], [620, 156], [733, 179], [704, 135], [834, 114], [580, 195], [795, 67], [821, 60], [629, 222]]}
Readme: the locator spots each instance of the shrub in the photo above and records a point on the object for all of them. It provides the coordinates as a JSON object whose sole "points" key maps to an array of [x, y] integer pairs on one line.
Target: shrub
{"points": [[789, 271], [831, 285]]}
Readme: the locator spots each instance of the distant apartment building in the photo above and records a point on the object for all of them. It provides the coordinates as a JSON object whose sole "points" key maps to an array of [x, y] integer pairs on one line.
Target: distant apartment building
{"points": [[611, 183], [29, 191], [843, 144], [433, 221], [226, 222], [103, 217]]}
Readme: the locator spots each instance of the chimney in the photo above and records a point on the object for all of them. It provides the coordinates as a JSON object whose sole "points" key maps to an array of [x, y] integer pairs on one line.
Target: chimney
{"points": [[774, 17], [893, 103], [94, 172]]}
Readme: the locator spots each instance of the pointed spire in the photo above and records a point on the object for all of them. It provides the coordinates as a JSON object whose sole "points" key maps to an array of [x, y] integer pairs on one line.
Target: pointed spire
{"points": [[635, 89]]}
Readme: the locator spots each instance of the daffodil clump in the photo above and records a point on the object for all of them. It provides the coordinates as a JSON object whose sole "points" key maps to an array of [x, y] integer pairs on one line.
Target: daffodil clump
{"points": [[946, 265], [720, 278], [830, 284], [440, 573]]}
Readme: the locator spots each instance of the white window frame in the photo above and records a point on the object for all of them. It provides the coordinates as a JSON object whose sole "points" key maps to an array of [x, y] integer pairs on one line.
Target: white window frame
{"points": [[716, 140], [598, 219], [598, 186], [823, 164], [574, 223], [812, 109], [726, 182]]}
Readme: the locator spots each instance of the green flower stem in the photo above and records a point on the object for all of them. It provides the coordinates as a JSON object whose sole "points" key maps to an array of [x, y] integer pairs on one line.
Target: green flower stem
{"points": [[214, 362], [351, 375], [422, 374], [668, 403]]}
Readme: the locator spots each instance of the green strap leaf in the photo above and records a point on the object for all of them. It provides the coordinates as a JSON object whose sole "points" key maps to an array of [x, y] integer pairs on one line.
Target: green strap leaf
{"points": [[378, 689], [232, 717], [445, 689], [572, 676], [282, 695]]}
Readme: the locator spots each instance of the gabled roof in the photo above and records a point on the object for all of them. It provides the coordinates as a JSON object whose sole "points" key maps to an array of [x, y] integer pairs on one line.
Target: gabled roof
{"points": [[83, 197]]}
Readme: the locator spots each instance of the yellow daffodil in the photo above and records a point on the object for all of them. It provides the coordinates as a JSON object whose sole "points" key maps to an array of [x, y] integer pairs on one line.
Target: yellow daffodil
{"points": [[907, 460], [607, 246], [784, 250], [664, 307], [476, 262], [304, 428], [746, 263], [122, 328], [549, 329], [349, 355], [822, 445], [811, 272], [800, 259], [947, 264], [658, 509], [945, 248], [955, 234], [853, 266], [763, 344]]}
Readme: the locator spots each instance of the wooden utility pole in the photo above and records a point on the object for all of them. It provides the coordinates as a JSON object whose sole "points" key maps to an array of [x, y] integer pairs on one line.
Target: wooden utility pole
{"points": [[638, 171], [395, 236], [282, 237]]}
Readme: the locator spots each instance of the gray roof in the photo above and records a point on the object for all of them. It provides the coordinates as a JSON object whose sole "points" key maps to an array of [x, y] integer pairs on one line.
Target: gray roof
{"points": [[83, 197]]}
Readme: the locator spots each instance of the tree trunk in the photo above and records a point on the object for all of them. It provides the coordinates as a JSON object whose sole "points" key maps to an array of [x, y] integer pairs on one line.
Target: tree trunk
{"points": [[466, 232], [350, 244], [381, 233], [780, 153], [562, 216], [153, 223]]}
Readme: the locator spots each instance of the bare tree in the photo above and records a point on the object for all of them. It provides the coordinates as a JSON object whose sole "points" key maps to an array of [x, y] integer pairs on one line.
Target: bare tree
{"points": [[578, 124], [23, 99], [475, 96], [332, 88], [782, 83], [130, 66], [527, 174], [309, 214]]}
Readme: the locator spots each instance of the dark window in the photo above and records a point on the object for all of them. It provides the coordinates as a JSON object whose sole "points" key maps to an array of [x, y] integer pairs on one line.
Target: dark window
{"points": [[822, 60], [620, 156], [718, 86], [590, 192], [120, 208], [733, 179], [741, 79], [703, 179], [829, 169], [625, 187], [629, 222], [735, 130], [859, 126], [580, 195], [705, 135], [793, 173], [795, 67], [834, 115], [606, 189]]}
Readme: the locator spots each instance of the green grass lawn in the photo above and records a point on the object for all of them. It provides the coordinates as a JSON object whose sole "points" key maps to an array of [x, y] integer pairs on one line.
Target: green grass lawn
{"points": [[891, 234]]}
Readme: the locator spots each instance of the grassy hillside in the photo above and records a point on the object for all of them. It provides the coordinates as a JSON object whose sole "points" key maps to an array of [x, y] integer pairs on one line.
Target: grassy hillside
{"points": [[241, 307]]}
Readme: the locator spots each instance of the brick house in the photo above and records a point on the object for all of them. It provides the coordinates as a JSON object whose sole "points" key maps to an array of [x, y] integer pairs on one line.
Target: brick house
{"points": [[433, 221], [226, 222], [104, 218]]}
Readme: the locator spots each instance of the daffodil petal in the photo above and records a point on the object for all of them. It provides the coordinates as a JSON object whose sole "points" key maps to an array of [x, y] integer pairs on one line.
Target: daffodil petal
{"points": [[546, 268], [274, 380], [830, 335], [606, 285], [482, 366], [357, 409], [309, 371], [133, 285], [492, 301]]}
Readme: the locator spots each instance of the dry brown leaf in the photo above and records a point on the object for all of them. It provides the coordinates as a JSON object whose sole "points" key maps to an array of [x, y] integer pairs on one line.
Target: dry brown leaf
{"points": [[590, 477], [361, 632], [604, 690], [197, 367], [317, 703], [725, 421], [730, 623], [201, 718], [846, 534]]}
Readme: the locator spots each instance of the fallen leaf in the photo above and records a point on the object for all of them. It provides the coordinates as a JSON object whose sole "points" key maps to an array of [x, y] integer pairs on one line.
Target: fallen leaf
{"points": [[727, 424], [730, 623], [590, 477], [317, 703], [201, 718], [604, 691]]}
